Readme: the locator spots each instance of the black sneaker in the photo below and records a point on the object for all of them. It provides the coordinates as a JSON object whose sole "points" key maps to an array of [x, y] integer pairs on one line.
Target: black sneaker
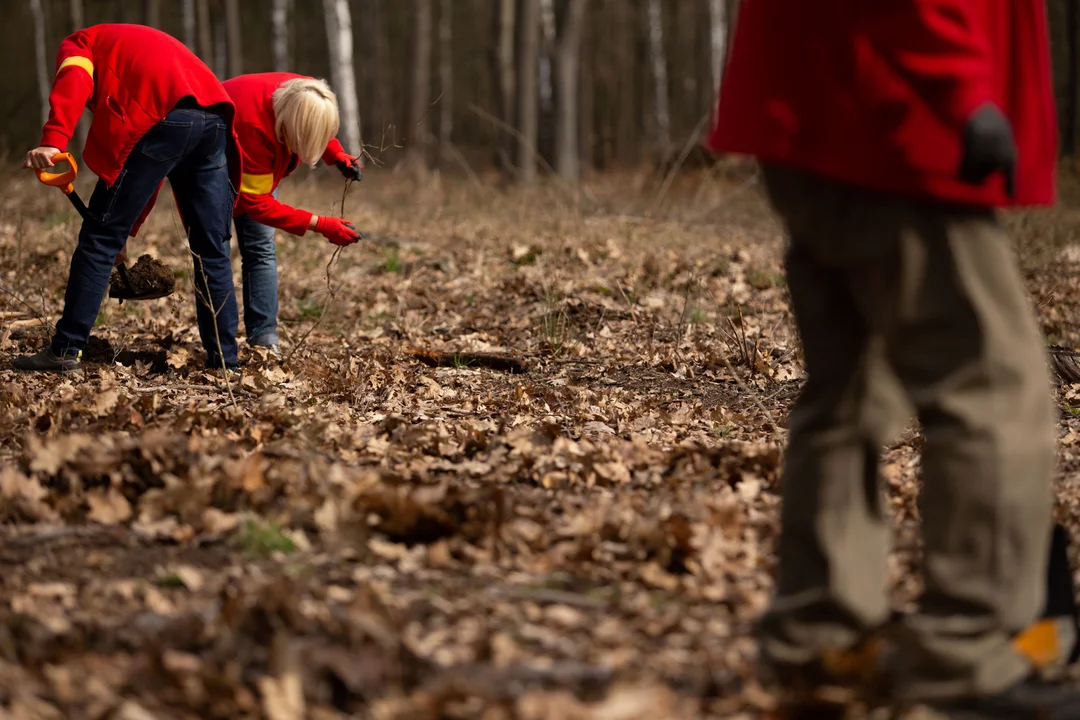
{"points": [[49, 361], [837, 683], [1030, 699]]}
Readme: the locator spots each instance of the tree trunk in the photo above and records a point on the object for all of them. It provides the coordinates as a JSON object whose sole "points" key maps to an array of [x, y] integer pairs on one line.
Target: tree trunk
{"points": [[41, 56], [232, 26], [340, 37], [627, 107], [221, 50], [586, 91], [718, 34], [152, 13], [528, 67], [567, 74], [129, 11], [546, 80], [1072, 105], [446, 72], [416, 130], [189, 25], [78, 21], [206, 31], [279, 15], [503, 83], [731, 11], [378, 83], [658, 61]]}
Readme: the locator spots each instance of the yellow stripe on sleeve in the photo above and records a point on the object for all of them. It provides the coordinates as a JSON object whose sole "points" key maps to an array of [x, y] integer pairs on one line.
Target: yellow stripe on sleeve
{"points": [[257, 184], [77, 61]]}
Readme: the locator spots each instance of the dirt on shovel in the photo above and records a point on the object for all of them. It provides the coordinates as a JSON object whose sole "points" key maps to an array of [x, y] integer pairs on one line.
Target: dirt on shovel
{"points": [[150, 278]]}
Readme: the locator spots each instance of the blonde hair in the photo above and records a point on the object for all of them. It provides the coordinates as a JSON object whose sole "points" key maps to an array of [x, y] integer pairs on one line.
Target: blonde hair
{"points": [[305, 117]]}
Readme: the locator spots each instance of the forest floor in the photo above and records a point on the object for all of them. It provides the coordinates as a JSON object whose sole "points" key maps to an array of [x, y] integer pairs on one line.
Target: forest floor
{"points": [[356, 533]]}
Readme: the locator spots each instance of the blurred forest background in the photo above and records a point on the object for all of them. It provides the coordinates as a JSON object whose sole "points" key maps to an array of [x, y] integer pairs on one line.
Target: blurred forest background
{"points": [[523, 87]]}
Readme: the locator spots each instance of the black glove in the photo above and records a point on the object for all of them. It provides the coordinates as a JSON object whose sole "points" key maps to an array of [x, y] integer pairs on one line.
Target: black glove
{"points": [[989, 147], [351, 168]]}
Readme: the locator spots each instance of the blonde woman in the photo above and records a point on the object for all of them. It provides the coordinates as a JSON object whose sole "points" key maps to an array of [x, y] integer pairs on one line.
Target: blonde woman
{"points": [[282, 120]]}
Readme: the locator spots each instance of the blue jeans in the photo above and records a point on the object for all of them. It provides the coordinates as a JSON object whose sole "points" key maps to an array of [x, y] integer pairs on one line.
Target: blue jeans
{"points": [[187, 147], [258, 271]]}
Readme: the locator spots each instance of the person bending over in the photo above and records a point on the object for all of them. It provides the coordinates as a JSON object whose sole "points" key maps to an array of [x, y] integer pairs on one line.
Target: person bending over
{"points": [[282, 120], [158, 112]]}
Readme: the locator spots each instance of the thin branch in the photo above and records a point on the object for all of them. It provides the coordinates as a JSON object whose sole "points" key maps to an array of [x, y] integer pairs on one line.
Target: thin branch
{"points": [[331, 291]]}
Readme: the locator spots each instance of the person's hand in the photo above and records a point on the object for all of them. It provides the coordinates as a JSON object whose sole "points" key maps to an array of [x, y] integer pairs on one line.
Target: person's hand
{"points": [[338, 231], [350, 167], [40, 158], [121, 257], [989, 147]]}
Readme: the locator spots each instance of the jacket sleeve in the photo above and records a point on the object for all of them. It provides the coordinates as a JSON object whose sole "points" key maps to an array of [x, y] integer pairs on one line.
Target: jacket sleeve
{"points": [[941, 48], [257, 185], [334, 152], [73, 86]]}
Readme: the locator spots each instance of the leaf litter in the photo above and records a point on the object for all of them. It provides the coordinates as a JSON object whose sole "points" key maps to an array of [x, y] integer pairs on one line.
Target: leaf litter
{"points": [[577, 524]]}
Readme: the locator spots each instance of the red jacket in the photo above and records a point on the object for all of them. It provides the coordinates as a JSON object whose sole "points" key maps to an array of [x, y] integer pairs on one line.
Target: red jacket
{"points": [[267, 159], [130, 77], [877, 92]]}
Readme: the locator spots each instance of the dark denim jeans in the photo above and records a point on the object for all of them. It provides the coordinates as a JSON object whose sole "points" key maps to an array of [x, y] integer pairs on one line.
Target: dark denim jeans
{"points": [[187, 147], [258, 271]]}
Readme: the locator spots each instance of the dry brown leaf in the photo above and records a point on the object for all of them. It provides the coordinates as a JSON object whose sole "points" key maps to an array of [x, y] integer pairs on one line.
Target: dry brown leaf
{"points": [[108, 508]]}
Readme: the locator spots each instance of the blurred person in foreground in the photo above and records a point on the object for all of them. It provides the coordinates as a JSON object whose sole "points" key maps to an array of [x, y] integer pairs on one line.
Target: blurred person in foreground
{"points": [[282, 120], [159, 112], [889, 134]]}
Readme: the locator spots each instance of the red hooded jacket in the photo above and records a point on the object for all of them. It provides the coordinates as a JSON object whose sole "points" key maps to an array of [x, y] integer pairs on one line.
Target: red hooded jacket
{"points": [[267, 158], [130, 77], [877, 92]]}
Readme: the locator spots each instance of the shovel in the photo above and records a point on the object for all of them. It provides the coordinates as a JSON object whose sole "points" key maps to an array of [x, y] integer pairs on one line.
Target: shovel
{"points": [[66, 182]]}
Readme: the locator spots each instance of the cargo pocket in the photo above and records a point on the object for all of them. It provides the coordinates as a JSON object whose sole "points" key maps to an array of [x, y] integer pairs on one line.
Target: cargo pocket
{"points": [[218, 157], [166, 141], [103, 198]]}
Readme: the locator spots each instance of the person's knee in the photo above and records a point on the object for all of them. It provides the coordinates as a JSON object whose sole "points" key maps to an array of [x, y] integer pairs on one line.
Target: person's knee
{"points": [[258, 248]]}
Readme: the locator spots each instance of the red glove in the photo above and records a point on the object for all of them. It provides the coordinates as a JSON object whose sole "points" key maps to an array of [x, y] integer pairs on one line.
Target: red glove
{"points": [[336, 230]]}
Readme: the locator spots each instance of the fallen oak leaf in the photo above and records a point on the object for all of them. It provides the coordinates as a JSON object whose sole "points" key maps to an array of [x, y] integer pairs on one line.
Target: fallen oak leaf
{"points": [[108, 508]]}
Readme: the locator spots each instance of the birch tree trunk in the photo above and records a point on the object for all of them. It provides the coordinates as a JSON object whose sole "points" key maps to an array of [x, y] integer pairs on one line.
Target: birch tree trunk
{"points": [[152, 13], [446, 71], [567, 74], [189, 24], [78, 17], [416, 132], [718, 35], [279, 16], [206, 32], [235, 35], [658, 61], [528, 70], [41, 57], [340, 37]]}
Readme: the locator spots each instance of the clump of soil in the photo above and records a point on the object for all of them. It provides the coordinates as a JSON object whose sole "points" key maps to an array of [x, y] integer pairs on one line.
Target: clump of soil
{"points": [[149, 278]]}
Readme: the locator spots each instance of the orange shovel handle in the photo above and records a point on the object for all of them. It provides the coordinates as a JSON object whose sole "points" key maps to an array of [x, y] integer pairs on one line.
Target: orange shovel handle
{"points": [[63, 180]]}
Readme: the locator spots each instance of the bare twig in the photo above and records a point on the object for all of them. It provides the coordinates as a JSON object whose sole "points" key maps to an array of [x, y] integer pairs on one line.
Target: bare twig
{"points": [[687, 148], [331, 291], [199, 295], [574, 190], [38, 313]]}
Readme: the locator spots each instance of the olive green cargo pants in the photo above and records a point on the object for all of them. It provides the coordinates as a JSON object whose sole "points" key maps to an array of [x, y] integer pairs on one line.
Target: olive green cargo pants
{"points": [[887, 290]]}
